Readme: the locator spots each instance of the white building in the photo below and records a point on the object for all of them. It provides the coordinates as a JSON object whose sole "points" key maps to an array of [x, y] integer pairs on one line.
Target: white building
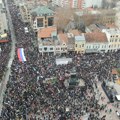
{"points": [[61, 3], [3, 19], [92, 3], [113, 36], [77, 3], [96, 42]]}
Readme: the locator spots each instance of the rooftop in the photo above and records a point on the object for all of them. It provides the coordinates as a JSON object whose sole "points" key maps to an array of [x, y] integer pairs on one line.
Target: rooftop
{"points": [[111, 26], [42, 10], [46, 32], [75, 32], [48, 42], [93, 28], [95, 37], [80, 37], [112, 31], [114, 71], [63, 37]]}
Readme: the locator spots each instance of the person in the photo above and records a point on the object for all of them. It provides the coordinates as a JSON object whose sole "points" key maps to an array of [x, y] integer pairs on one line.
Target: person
{"points": [[36, 87]]}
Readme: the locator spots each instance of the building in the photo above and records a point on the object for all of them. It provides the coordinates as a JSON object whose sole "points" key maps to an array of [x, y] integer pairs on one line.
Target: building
{"points": [[42, 17], [46, 39], [17, 2], [80, 43], [25, 12], [96, 42], [3, 19], [33, 2], [79, 4], [67, 41], [113, 36], [92, 3], [71, 42], [67, 3], [26, 6], [61, 3], [63, 39]]}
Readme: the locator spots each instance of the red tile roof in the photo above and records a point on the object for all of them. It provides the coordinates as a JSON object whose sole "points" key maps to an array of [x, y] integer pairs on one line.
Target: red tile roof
{"points": [[3, 41], [63, 37], [114, 71], [46, 32], [75, 32], [95, 37]]}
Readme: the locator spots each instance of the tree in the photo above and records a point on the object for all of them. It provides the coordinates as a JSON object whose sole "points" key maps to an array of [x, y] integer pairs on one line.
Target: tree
{"points": [[85, 20], [62, 17]]}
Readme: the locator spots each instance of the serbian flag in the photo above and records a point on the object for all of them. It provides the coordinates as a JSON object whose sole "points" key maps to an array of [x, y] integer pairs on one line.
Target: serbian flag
{"points": [[21, 55]]}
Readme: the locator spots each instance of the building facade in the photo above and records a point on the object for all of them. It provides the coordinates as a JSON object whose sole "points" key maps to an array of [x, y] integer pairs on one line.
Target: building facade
{"points": [[3, 19], [113, 36], [80, 43], [79, 4], [96, 42], [25, 12], [42, 17], [46, 40], [107, 40]]}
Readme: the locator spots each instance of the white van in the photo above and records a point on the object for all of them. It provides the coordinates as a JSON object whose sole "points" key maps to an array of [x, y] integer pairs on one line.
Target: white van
{"points": [[26, 29]]}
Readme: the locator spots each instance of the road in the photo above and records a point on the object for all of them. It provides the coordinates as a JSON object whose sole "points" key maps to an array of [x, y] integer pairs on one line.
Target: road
{"points": [[11, 58]]}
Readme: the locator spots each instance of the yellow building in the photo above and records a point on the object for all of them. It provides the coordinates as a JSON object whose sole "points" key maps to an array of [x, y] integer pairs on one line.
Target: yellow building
{"points": [[80, 43]]}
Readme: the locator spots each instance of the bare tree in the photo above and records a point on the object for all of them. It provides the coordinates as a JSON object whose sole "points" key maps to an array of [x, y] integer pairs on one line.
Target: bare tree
{"points": [[62, 17]]}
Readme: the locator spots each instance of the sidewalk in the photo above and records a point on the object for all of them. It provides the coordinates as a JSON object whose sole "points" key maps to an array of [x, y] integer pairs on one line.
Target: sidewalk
{"points": [[109, 115]]}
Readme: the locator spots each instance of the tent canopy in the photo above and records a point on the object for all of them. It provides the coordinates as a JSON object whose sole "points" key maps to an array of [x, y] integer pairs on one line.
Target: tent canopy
{"points": [[63, 61], [118, 97]]}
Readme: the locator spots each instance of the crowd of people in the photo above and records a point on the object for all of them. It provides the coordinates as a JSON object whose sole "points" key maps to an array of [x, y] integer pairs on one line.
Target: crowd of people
{"points": [[28, 97], [4, 56]]}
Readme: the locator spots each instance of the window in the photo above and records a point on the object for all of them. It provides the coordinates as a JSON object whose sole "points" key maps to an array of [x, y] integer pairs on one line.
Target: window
{"points": [[80, 46], [51, 48], [40, 49], [45, 48], [40, 22], [50, 21], [76, 45]]}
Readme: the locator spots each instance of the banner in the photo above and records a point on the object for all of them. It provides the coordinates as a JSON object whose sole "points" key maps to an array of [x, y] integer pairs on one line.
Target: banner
{"points": [[21, 55]]}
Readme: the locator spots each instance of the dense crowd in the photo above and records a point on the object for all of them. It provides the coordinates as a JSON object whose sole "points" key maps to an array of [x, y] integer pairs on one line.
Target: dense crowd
{"points": [[4, 56], [28, 97]]}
